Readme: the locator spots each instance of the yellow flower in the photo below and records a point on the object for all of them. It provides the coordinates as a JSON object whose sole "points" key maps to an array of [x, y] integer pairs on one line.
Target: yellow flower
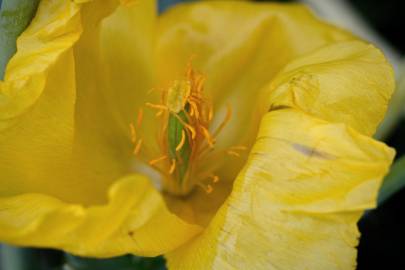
{"points": [[283, 184]]}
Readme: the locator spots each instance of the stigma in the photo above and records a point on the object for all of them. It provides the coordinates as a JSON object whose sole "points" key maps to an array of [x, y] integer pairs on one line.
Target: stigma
{"points": [[187, 139]]}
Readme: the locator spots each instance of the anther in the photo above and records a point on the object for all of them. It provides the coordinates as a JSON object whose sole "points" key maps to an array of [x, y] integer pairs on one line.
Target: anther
{"points": [[210, 113], [215, 178], [182, 141], [133, 133], [138, 147], [207, 136], [239, 147], [172, 166], [207, 188], [156, 106], [233, 153], [140, 117], [154, 161]]}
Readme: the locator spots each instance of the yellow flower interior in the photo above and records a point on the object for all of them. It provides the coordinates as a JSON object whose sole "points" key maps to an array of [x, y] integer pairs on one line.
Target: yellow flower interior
{"points": [[187, 137]]}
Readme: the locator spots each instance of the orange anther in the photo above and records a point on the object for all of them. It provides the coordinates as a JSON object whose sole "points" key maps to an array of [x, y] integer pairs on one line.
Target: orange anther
{"points": [[156, 106], [182, 141], [195, 109], [233, 153], [207, 136], [215, 178], [133, 133], [209, 189], [156, 160], [159, 113], [172, 166], [138, 147], [140, 117], [239, 147], [210, 113], [192, 130]]}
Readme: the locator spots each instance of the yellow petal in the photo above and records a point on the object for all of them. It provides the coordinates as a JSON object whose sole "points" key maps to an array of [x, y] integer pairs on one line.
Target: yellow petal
{"points": [[239, 47], [45, 40], [349, 82], [123, 2], [127, 44], [135, 220], [107, 84], [42, 145], [37, 108], [296, 203], [60, 147], [58, 105]]}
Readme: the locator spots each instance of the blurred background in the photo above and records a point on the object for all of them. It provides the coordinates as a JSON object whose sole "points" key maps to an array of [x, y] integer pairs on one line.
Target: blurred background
{"points": [[382, 244]]}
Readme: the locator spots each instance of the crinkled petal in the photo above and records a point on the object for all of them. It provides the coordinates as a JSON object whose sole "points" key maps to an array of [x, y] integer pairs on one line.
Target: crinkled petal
{"points": [[57, 104], [60, 148], [135, 220], [38, 48], [37, 104], [296, 203], [42, 117], [239, 46], [349, 82]]}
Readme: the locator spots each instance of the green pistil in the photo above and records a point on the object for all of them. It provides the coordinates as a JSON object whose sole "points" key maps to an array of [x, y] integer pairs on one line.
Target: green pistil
{"points": [[174, 132]]}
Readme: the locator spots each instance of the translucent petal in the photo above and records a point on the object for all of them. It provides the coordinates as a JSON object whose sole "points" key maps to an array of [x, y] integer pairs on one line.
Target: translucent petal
{"points": [[296, 203], [135, 220], [349, 82], [239, 46]]}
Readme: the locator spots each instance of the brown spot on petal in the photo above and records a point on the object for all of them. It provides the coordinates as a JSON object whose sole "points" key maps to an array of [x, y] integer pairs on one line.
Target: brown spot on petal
{"points": [[312, 152]]}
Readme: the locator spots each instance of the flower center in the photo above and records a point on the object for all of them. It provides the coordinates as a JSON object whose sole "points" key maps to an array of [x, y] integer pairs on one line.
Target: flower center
{"points": [[185, 138]]}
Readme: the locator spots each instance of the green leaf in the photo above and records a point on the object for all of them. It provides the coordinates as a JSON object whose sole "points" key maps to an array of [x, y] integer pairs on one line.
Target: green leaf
{"points": [[127, 262], [15, 16], [394, 181], [15, 258]]}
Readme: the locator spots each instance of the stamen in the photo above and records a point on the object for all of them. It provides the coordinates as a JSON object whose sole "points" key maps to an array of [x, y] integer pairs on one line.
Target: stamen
{"points": [[233, 153], [239, 147], [182, 141], [140, 117], [138, 147], [210, 113], [200, 84], [195, 109], [172, 166], [154, 161], [192, 130], [156, 106], [133, 132], [215, 178], [184, 137], [207, 136], [159, 113], [207, 188]]}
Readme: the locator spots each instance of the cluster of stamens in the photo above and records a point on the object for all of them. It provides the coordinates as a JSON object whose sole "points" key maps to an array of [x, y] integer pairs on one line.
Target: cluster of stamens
{"points": [[185, 138]]}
